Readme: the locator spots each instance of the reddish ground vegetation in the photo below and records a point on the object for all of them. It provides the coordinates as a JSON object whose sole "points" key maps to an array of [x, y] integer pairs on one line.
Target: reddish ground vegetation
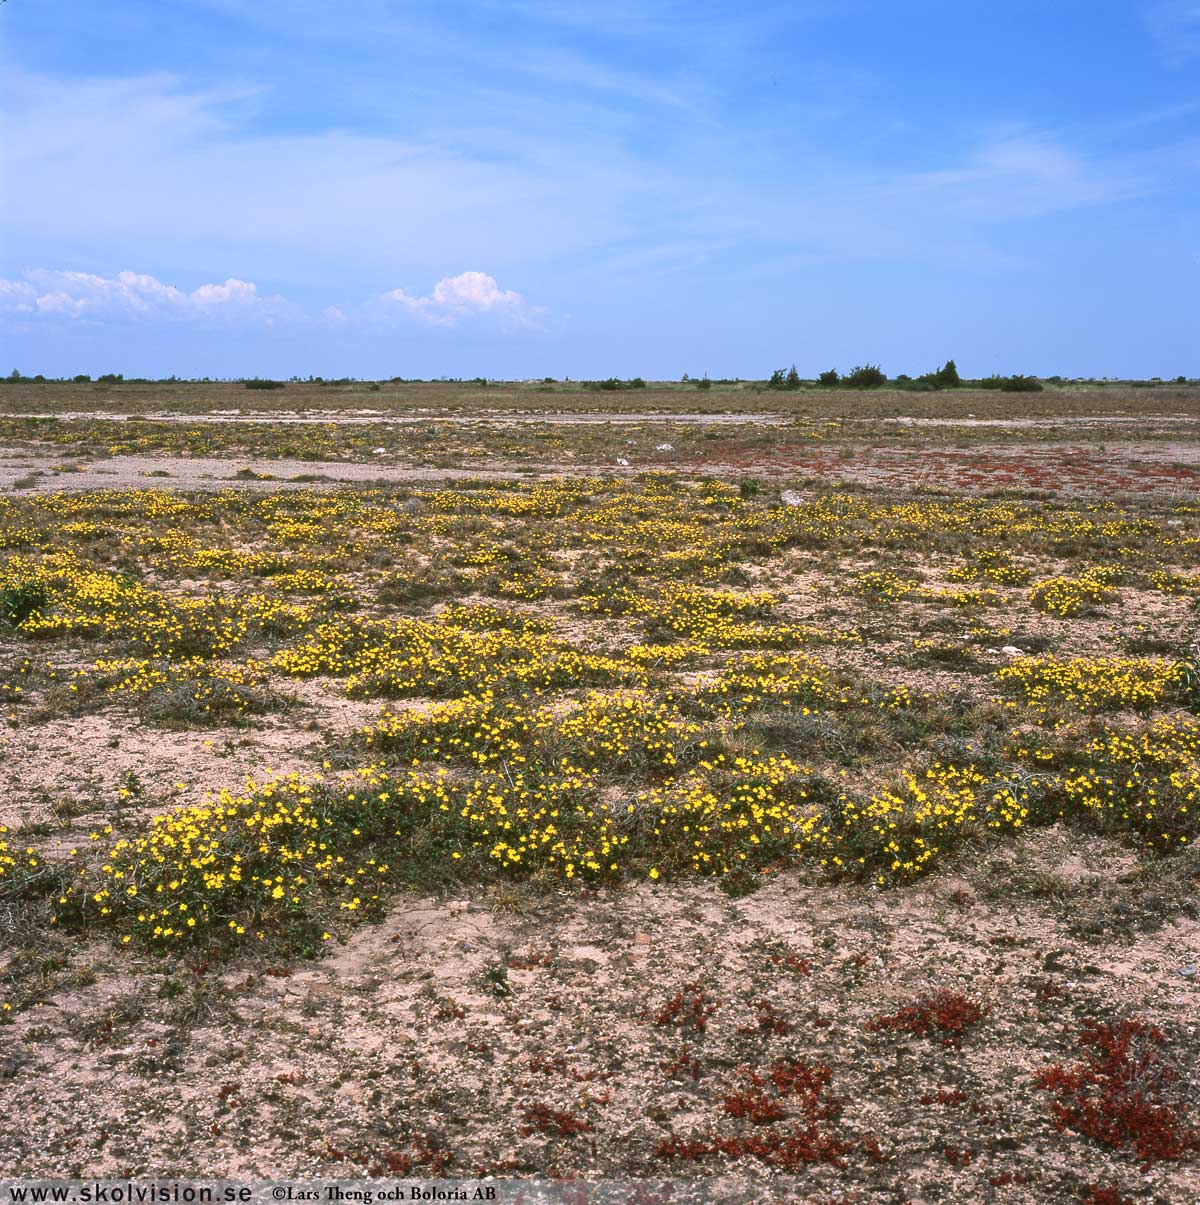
{"points": [[767, 1019], [1099, 1194], [556, 1122], [945, 1015], [1117, 1093], [790, 1089], [688, 1008]]}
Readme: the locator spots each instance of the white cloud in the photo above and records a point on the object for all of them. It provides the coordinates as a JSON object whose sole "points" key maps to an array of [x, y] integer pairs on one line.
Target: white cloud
{"points": [[465, 296], [130, 296], [82, 297], [17, 297]]}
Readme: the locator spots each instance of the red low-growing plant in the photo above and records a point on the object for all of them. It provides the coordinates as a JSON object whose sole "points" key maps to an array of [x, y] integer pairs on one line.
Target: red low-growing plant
{"points": [[768, 1019], [688, 1008], [559, 1066], [792, 962], [684, 1064], [945, 1015], [788, 1150], [1004, 1179], [789, 1089], [553, 1121], [756, 1107], [420, 1153], [873, 1151], [1101, 1194], [1117, 1093], [1050, 990]]}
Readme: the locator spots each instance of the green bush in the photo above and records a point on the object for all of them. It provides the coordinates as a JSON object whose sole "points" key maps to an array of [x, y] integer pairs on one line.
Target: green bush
{"points": [[260, 383], [865, 376], [1013, 384], [1019, 384], [784, 379], [832, 377]]}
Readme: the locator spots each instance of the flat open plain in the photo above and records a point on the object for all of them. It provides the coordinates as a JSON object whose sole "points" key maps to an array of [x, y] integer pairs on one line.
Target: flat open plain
{"points": [[787, 795]]}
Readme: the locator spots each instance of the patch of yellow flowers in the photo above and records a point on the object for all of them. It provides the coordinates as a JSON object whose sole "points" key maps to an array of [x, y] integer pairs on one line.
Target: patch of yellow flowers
{"points": [[1067, 596], [1147, 781], [1092, 683]]}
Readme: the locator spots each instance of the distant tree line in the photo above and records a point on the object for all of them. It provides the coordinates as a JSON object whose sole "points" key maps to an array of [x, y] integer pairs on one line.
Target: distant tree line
{"points": [[862, 376], [612, 384], [871, 376]]}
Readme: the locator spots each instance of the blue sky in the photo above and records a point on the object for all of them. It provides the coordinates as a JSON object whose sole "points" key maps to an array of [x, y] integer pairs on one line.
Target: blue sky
{"points": [[569, 188]]}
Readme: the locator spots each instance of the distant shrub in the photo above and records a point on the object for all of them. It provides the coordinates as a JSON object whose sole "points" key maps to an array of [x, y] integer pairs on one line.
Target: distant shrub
{"points": [[865, 376], [784, 379], [1013, 384], [636, 383], [832, 377], [947, 376], [704, 383], [81, 379], [1019, 384], [611, 385], [111, 378], [262, 383]]}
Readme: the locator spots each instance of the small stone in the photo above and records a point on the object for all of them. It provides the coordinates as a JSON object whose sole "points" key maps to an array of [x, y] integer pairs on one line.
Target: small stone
{"points": [[622, 461], [790, 498], [664, 447], [1011, 650], [1188, 972], [378, 451]]}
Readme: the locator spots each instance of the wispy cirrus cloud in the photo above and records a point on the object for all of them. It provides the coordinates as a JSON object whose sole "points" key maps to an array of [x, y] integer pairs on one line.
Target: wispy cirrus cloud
{"points": [[1175, 25], [511, 189]]}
